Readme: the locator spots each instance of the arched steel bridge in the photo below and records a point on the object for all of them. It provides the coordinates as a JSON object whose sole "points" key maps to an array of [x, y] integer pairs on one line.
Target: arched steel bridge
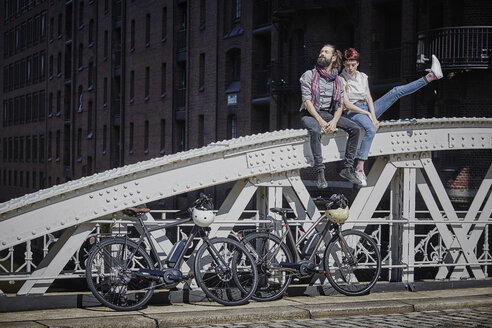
{"points": [[268, 165]]}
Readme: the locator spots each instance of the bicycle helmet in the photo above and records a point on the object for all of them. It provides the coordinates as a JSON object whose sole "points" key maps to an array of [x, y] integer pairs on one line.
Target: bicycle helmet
{"points": [[202, 217], [337, 209]]}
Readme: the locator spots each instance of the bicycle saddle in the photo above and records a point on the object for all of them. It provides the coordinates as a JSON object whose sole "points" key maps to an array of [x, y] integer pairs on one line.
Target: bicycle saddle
{"points": [[133, 211], [281, 210]]}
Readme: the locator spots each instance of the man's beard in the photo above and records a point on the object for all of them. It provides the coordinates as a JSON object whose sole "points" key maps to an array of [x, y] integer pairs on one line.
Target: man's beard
{"points": [[323, 62]]}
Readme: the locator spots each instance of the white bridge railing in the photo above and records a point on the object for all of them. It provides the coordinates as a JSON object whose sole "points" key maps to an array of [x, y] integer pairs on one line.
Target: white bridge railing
{"points": [[45, 235]]}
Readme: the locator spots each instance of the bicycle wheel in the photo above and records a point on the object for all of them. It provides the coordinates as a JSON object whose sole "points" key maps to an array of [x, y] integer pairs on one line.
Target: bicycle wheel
{"points": [[111, 274], [352, 267], [268, 251], [226, 271]]}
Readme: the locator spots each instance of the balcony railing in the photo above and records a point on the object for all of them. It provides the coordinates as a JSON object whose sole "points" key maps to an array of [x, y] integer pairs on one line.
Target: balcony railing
{"points": [[467, 47]]}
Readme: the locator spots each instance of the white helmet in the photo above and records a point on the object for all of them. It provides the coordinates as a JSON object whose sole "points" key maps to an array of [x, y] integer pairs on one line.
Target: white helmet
{"points": [[338, 215], [202, 218]]}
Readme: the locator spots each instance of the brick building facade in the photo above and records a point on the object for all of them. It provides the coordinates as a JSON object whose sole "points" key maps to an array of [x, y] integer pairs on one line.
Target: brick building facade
{"points": [[92, 85]]}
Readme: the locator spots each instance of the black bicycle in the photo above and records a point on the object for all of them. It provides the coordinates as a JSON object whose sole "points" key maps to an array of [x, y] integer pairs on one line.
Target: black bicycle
{"points": [[123, 275], [351, 260]]}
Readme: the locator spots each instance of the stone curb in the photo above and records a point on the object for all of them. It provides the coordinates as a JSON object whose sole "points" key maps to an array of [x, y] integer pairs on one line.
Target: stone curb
{"points": [[266, 312]]}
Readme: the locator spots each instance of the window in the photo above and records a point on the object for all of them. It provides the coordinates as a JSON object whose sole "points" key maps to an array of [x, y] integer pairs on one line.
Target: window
{"points": [[130, 146], [50, 104], [22, 110], [201, 129], [42, 105], [132, 86], [51, 68], [50, 141], [80, 107], [147, 83], [81, 57], [60, 25], [81, 14], [201, 73], [132, 35], [58, 103], [35, 106], [57, 146], [28, 149], [28, 108], [163, 137], [79, 145], [59, 65], [163, 80], [41, 148], [164, 24], [106, 43], [105, 136], [35, 68], [105, 92], [52, 28], [89, 120], [203, 13], [147, 30], [34, 149], [231, 127], [42, 66], [233, 68], [21, 149], [146, 137], [91, 33], [29, 33], [237, 9], [43, 26], [90, 76]]}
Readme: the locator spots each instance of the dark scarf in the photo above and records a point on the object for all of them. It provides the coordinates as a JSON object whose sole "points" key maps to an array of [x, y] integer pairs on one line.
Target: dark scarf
{"points": [[337, 94]]}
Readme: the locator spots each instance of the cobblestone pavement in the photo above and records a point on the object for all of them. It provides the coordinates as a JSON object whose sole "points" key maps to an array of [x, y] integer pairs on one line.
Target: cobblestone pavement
{"points": [[480, 317]]}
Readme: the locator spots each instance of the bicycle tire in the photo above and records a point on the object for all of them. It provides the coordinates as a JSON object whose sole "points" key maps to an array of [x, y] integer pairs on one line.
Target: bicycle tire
{"points": [[349, 277], [231, 282], [273, 281], [113, 280]]}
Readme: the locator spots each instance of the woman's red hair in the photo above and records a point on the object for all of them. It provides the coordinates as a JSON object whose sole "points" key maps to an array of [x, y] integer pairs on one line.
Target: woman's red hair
{"points": [[351, 54]]}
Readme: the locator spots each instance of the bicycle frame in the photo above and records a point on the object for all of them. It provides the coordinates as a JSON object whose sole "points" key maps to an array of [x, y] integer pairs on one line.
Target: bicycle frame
{"points": [[146, 234], [287, 234]]}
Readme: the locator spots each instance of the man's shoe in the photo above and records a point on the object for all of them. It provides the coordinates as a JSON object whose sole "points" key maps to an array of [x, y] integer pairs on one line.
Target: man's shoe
{"points": [[436, 67], [321, 184], [362, 177], [349, 175]]}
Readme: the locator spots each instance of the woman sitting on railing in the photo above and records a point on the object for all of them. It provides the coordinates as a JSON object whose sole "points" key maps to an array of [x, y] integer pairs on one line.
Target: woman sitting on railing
{"points": [[365, 112]]}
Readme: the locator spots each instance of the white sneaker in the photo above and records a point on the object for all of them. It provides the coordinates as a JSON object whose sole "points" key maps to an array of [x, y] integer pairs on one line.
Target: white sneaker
{"points": [[362, 177], [436, 67]]}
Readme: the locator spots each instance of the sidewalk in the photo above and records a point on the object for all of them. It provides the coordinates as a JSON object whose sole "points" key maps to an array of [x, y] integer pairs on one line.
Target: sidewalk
{"points": [[298, 307]]}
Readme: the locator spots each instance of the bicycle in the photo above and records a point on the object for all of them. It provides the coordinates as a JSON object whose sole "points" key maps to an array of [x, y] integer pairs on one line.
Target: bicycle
{"points": [[351, 260], [123, 276]]}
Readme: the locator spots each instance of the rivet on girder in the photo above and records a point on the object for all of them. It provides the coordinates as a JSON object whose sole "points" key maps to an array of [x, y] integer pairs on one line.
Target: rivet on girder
{"points": [[100, 193], [33, 233], [48, 228], [4, 243], [19, 238], [91, 196], [108, 200], [95, 212]]}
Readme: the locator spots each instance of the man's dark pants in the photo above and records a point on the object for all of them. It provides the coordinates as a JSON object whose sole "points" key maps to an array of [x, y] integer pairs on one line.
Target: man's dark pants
{"points": [[349, 126]]}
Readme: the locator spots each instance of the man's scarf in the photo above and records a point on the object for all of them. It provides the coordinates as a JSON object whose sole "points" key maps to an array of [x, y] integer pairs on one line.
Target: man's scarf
{"points": [[337, 94]]}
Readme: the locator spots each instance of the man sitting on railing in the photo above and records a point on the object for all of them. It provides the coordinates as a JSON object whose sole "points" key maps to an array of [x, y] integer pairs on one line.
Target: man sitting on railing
{"points": [[321, 111]]}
